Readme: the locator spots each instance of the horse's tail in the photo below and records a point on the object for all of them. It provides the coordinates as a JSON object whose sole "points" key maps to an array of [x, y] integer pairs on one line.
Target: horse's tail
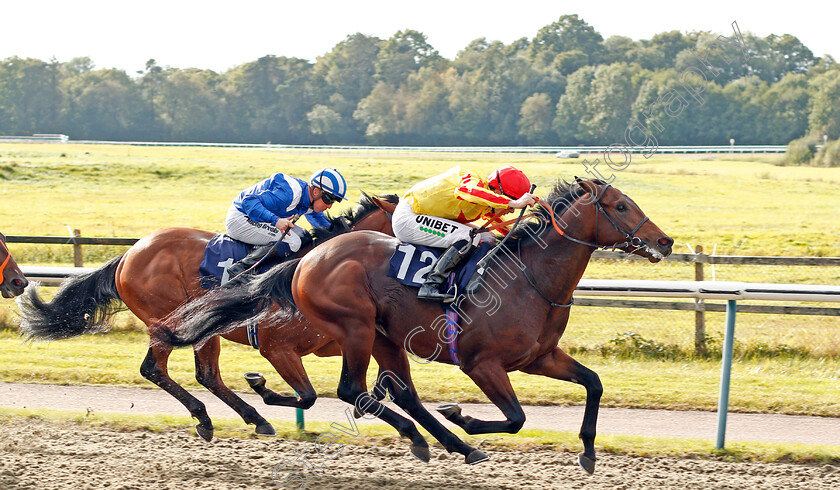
{"points": [[83, 304], [230, 307]]}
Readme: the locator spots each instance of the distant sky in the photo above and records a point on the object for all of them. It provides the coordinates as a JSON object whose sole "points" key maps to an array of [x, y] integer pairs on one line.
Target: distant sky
{"points": [[220, 35]]}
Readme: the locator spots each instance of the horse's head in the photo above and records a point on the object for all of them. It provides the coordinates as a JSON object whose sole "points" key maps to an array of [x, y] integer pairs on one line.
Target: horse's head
{"points": [[374, 213], [12, 280], [621, 224]]}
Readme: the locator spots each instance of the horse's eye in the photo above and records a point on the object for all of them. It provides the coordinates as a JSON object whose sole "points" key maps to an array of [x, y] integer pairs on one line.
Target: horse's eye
{"points": [[621, 207]]}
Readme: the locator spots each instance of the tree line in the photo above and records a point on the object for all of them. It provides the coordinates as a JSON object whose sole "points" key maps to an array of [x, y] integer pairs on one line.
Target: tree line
{"points": [[565, 86]]}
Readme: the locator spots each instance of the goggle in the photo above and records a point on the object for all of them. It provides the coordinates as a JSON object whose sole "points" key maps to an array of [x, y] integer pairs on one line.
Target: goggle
{"points": [[328, 198]]}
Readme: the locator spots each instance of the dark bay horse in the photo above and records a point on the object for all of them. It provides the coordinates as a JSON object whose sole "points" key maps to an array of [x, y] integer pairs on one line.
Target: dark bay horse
{"points": [[159, 273], [367, 312], [12, 280]]}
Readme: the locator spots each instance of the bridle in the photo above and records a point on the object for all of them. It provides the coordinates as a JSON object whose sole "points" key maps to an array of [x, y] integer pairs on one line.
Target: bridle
{"points": [[631, 240]]}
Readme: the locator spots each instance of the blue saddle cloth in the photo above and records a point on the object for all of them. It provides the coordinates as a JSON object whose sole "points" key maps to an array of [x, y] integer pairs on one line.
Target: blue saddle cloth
{"points": [[221, 252], [411, 263]]}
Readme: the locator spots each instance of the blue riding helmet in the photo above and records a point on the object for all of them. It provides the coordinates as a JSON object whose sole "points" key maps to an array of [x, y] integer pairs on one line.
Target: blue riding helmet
{"points": [[331, 182]]}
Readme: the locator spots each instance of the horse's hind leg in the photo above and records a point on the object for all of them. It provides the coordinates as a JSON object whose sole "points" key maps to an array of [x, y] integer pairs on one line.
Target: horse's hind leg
{"points": [[154, 368], [352, 388], [395, 377], [207, 373], [559, 365], [289, 366]]}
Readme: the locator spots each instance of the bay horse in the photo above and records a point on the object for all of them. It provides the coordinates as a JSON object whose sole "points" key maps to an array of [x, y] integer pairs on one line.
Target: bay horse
{"points": [[161, 272], [12, 280], [367, 312]]}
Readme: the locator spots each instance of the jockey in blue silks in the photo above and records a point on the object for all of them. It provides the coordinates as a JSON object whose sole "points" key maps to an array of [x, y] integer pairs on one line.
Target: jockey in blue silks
{"points": [[264, 213]]}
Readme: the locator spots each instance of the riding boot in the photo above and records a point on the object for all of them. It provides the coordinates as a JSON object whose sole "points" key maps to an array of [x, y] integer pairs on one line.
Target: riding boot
{"points": [[249, 260], [450, 258], [277, 254], [262, 255]]}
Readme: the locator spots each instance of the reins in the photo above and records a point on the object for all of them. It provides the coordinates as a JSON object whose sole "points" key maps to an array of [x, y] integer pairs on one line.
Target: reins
{"points": [[534, 283], [481, 265], [503, 224], [631, 240]]}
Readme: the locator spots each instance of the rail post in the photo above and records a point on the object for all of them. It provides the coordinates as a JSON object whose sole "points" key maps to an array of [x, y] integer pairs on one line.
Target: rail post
{"points": [[725, 372], [77, 249], [700, 308], [299, 416]]}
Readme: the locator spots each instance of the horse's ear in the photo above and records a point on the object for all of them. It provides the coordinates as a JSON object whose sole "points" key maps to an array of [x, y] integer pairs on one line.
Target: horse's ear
{"points": [[588, 187], [382, 204], [585, 185]]}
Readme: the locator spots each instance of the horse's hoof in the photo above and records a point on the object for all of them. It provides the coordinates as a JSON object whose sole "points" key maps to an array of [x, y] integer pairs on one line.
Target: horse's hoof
{"points": [[265, 429], [204, 432], [357, 414], [449, 410], [421, 453], [476, 457], [586, 463], [255, 380]]}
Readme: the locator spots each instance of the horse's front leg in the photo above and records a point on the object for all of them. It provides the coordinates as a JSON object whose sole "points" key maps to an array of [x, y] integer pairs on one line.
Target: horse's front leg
{"points": [[493, 380], [559, 365]]}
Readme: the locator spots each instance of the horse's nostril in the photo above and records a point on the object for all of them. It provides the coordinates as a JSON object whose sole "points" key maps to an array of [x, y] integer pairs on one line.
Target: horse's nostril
{"points": [[666, 241], [20, 283]]}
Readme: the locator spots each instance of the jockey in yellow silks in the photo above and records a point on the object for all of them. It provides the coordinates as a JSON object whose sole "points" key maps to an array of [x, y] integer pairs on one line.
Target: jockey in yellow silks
{"points": [[436, 213]]}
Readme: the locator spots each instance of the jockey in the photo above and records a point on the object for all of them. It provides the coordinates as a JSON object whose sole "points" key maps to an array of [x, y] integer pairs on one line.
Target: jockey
{"points": [[435, 213], [263, 213]]}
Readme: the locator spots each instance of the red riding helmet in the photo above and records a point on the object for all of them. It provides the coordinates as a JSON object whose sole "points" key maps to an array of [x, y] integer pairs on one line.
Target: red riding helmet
{"points": [[511, 181]]}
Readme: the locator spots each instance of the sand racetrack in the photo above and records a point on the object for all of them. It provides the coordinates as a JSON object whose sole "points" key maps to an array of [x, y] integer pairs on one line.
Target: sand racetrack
{"points": [[49, 455]]}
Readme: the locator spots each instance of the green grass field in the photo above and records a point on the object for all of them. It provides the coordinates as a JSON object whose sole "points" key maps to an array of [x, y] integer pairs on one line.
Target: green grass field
{"points": [[742, 205]]}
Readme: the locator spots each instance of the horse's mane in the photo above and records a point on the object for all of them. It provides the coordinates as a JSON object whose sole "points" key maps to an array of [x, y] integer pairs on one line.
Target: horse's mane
{"points": [[561, 196], [367, 205], [343, 222]]}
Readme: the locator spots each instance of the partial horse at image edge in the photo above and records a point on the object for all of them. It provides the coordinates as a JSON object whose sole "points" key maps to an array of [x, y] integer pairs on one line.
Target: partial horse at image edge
{"points": [[12, 280]]}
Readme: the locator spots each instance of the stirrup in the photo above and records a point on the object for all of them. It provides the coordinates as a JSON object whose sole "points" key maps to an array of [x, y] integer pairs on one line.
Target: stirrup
{"points": [[432, 293], [236, 269], [238, 278]]}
